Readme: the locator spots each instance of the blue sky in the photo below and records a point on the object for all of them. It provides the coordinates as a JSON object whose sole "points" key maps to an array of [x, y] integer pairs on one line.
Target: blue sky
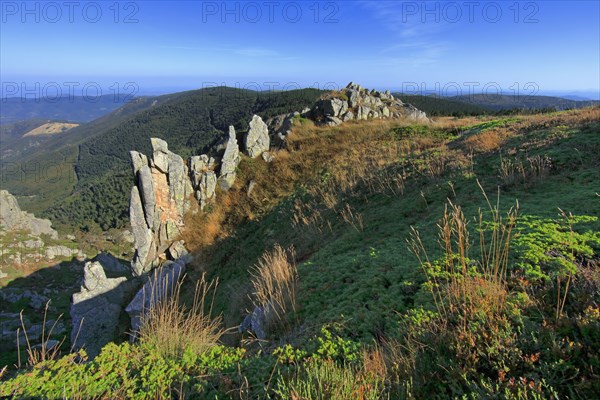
{"points": [[444, 47]]}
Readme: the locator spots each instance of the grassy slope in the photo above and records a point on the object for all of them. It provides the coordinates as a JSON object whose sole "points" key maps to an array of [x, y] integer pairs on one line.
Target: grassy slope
{"points": [[356, 269], [367, 276]]}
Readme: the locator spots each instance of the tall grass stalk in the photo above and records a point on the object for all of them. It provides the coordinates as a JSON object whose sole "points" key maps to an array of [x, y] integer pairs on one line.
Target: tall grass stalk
{"points": [[464, 284], [275, 281], [44, 352], [173, 328]]}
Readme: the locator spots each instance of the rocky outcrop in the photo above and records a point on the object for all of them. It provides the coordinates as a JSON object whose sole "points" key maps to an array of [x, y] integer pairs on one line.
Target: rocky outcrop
{"points": [[60, 251], [257, 139], [158, 203], [281, 126], [229, 161], [160, 285], [12, 218], [95, 310], [357, 103], [204, 179]]}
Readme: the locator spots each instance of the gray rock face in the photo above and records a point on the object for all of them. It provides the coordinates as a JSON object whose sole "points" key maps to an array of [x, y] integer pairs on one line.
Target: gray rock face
{"points": [[257, 139], [13, 218], [159, 202], [206, 189], [161, 283], [334, 107], [137, 161], [110, 263], [198, 166], [204, 179], [180, 187], [160, 156], [281, 125], [95, 309], [229, 162], [148, 198], [145, 248]]}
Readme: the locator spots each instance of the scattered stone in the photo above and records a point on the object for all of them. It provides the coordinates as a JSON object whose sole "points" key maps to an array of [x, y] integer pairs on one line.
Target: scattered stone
{"points": [[333, 121], [177, 251], [258, 320], [35, 243], [267, 157], [251, 187]]}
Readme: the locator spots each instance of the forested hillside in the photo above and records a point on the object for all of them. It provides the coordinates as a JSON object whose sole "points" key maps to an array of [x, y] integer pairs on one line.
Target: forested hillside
{"points": [[189, 122]]}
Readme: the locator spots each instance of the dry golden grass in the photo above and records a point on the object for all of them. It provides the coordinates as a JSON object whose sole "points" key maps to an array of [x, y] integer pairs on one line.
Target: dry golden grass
{"points": [[50, 128], [330, 159], [462, 291], [275, 281], [485, 141], [334, 160], [173, 329]]}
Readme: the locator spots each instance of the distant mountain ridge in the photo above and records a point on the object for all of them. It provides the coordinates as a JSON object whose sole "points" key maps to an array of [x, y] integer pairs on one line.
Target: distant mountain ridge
{"points": [[481, 104], [72, 109], [506, 102]]}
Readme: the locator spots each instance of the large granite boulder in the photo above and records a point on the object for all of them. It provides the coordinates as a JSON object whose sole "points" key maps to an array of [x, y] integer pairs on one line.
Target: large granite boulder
{"points": [[229, 161], [257, 139], [95, 310]]}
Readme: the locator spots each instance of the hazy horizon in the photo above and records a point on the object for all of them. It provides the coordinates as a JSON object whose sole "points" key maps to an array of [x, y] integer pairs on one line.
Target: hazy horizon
{"points": [[528, 48]]}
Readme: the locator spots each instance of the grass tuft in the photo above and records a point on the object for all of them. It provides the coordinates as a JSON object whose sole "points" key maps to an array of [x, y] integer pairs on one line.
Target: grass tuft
{"points": [[174, 329]]}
